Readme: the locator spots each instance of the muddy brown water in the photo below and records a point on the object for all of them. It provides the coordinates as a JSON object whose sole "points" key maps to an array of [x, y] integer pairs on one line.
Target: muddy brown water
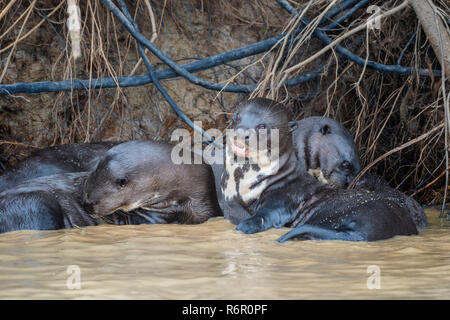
{"points": [[213, 261]]}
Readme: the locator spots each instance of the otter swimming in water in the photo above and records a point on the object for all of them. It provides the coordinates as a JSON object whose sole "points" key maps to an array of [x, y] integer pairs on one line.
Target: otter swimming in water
{"points": [[141, 174], [325, 148], [298, 200], [264, 167], [135, 182], [50, 203], [320, 212]]}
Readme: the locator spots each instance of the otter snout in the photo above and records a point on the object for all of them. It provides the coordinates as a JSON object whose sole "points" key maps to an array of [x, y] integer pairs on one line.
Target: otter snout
{"points": [[89, 207], [347, 168], [348, 171], [88, 204]]}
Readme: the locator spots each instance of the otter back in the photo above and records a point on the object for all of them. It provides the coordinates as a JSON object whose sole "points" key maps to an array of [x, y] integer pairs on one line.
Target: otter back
{"points": [[76, 157]]}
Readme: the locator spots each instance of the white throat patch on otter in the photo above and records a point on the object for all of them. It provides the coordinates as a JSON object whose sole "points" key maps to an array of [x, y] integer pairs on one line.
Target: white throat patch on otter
{"points": [[247, 181]]}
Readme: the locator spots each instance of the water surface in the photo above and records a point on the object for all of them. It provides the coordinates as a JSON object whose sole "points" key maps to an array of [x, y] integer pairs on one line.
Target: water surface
{"points": [[213, 261]]}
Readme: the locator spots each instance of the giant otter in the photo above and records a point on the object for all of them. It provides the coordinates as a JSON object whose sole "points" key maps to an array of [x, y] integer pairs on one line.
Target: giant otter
{"points": [[50, 203], [135, 182], [318, 211], [326, 150], [141, 174], [76, 157], [250, 171], [374, 183], [298, 198]]}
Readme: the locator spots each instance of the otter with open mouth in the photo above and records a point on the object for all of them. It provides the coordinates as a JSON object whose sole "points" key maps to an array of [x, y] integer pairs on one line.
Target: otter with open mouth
{"points": [[324, 147], [313, 209], [255, 164]]}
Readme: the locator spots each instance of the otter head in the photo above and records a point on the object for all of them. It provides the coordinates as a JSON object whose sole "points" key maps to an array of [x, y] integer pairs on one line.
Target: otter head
{"points": [[259, 141], [260, 126], [329, 152], [121, 180]]}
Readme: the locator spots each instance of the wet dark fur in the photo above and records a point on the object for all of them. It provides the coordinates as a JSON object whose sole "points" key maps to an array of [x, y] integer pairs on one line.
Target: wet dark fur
{"points": [[77, 157], [273, 115], [56, 201], [70, 158], [50, 203], [324, 144], [319, 142], [141, 174], [377, 184], [318, 211]]}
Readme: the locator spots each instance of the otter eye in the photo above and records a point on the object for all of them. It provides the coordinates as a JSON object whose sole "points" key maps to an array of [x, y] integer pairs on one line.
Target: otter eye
{"points": [[325, 130], [261, 126], [121, 182]]}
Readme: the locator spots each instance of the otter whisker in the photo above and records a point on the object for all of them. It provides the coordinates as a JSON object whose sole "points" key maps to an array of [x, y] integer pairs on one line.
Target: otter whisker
{"points": [[144, 216]]}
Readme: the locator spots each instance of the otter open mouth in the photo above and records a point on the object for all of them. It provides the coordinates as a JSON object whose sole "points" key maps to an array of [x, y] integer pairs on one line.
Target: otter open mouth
{"points": [[318, 174], [240, 149]]}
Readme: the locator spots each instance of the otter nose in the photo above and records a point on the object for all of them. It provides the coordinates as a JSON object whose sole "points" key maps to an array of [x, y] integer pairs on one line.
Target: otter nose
{"points": [[346, 167], [241, 134], [89, 207], [88, 204]]}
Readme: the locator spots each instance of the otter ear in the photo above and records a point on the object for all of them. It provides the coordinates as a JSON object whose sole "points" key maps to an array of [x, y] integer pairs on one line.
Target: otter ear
{"points": [[325, 130], [293, 125]]}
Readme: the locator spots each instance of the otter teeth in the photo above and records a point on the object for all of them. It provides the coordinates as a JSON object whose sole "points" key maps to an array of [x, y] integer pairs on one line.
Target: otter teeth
{"points": [[318, 174], [239, 149]]}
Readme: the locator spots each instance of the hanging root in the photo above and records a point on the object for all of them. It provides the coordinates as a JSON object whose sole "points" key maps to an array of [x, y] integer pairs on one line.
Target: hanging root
{"points": [[74, 26]]}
